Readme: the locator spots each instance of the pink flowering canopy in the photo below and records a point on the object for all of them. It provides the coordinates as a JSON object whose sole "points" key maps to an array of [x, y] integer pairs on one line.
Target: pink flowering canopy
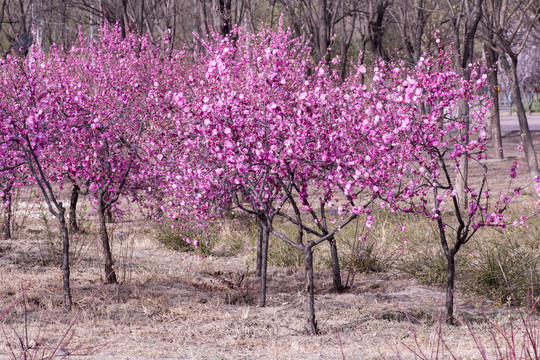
{"points": [[256, 117]]}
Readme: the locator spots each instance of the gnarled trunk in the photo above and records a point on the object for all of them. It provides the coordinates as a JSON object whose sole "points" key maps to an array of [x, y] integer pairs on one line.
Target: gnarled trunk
{"points": [[264, 262], [311, 323], [337, 285], [6, 218], [65, 258], [110, 274], [73, 209]]}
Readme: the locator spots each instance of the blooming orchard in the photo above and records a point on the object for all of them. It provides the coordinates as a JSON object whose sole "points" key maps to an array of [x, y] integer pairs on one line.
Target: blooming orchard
{"points": [[249, 121]]}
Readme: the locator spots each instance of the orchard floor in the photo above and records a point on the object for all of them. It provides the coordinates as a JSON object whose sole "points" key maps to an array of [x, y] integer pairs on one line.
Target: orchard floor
{"points": [[173, 305]]}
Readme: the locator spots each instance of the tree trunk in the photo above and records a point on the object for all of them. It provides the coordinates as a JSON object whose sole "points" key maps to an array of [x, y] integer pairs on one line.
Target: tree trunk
{"points": [[109, 216], [8, 210], [530, 154], [323, 30], [462, 180], [336, 272], [450, 283], [73, 209], [110, 275], [125, 19], [311, 323], [140, 16], [65, 258], [264, 264], [221, 11], [260, 229], [495, 120], [529, 99]]}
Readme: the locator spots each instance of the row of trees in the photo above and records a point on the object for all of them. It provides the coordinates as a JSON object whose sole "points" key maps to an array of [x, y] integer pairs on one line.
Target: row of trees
{"points": [[247, 120], [501, 33]]}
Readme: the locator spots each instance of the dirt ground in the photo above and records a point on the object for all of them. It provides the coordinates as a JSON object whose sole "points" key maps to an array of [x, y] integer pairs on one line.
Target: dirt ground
{"points": [[174, 305]]}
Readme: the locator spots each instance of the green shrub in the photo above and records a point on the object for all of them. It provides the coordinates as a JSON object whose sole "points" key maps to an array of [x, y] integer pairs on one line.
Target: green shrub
{"points": [[506, 272], [191, 239], [365, 256], [427, 264], [283, 255]]}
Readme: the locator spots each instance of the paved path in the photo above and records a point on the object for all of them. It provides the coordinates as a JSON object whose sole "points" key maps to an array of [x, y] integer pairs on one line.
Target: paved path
{"points": [[510, 123]]}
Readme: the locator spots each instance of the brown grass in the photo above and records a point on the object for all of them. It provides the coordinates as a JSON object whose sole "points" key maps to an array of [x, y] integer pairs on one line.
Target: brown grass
{"points": [[177, 305]]}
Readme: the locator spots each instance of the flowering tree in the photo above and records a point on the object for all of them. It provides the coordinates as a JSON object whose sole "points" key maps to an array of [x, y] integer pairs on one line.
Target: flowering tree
{"points": [[229, 128], [12, 175], [115, 82], [30, 125], [79, 117], [254, 128], [436, 139]]}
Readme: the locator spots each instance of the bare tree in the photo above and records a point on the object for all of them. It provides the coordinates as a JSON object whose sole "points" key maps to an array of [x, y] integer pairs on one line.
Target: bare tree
{"points": [[464, 16], [411, 17], [513, 23], [492, 59]]}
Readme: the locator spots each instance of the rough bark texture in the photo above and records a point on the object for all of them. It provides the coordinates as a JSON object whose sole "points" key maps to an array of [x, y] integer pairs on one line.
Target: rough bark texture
{"points": [[65, 259], [336, 271], [264, 265], [110, 274], [495, 120], [260, 229], [450, 285], [6, 219], [311, 323], [73, 209]]}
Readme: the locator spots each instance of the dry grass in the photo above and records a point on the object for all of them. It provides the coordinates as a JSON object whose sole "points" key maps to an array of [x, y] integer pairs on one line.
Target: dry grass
{"points": [[177, 305]]}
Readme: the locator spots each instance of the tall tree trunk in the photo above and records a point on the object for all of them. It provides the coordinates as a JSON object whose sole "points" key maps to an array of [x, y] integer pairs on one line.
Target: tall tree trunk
{"points": [[336, 271], [323, 30], [530, 154], [495, 120], [140, 16], [125, 19], [65, 258], [109, 216], [450, 286], [472, 18], [264, 264], [260, 229], [73, 227], [8, 210], [221, 11], [462, 180], [311, 323], [110, 274]]}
